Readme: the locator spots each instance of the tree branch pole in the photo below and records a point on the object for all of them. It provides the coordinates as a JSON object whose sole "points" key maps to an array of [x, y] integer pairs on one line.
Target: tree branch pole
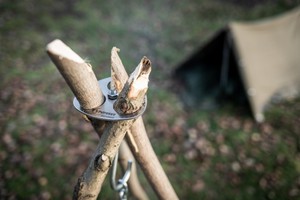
{"points": [[125, 153], [139, 141], [128, 102], [77, 73]]}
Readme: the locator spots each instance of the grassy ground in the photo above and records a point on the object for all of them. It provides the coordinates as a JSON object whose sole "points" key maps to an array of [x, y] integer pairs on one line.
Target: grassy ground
{"points": [[45, 145]]}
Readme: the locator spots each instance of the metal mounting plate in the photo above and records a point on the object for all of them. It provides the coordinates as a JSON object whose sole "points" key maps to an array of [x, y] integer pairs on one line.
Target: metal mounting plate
{"points": [[106, 111]]}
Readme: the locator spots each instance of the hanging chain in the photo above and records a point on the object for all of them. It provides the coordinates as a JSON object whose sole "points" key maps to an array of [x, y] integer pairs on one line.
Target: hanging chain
{"points": [[121, 187]]}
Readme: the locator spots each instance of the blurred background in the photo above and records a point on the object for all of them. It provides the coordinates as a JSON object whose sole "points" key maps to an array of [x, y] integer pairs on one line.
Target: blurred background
{"points": [[219, 153]]}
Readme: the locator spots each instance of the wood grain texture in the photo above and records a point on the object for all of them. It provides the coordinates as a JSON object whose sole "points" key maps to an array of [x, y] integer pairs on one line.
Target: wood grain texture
{"points": [[78, 75]]}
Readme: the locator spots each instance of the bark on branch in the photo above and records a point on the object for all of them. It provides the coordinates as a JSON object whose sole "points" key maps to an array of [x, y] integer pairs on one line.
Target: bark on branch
{"points": [[119, 77], [78, 74], [139, 142]]}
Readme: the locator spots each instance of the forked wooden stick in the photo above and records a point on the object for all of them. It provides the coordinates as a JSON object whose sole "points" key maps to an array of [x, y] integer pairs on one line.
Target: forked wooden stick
{"points": [[139, 142], [118, 75], [129, 101]]}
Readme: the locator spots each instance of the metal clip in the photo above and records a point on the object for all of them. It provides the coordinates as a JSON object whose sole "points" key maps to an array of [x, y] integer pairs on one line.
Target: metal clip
{"points": [[121, 186]]}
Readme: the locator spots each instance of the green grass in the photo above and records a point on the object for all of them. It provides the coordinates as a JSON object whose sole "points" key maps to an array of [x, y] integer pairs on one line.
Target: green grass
{"points": [[45, 144]]}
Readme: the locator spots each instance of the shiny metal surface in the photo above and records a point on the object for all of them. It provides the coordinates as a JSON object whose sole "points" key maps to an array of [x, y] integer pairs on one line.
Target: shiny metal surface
{"points": [[106, 111]]}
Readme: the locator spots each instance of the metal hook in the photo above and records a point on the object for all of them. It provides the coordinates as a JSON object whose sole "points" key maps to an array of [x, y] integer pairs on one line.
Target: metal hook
{"points": [[121, 186]]}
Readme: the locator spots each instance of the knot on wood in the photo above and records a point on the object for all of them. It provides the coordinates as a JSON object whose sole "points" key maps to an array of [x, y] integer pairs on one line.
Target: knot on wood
{"points": [[146, 64], [78, 188], [125, 107], [102, 162], [93, 110]]}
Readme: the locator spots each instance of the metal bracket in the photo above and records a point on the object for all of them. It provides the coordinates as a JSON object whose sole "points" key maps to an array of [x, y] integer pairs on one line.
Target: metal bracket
{"points": [[106, 111]]}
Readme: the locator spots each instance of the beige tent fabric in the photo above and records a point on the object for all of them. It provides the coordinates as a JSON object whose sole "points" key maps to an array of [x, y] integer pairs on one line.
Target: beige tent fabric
{"points": [[269, 58]]}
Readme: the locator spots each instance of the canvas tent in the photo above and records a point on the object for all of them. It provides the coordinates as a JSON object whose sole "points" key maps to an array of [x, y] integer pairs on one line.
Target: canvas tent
{"points": [[255, 62]]}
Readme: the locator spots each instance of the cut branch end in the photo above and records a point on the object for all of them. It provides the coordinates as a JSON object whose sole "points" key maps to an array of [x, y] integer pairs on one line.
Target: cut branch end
{"points": [[78, 74], [130, 100], [59, 48]]}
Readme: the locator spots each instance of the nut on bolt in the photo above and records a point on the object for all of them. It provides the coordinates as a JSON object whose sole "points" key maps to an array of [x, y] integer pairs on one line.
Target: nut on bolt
{"points": [[112, 94]]}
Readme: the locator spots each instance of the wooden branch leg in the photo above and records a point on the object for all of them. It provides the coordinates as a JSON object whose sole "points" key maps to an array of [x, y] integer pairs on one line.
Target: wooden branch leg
{"points": [[90, 183], [125, 154], [149, 162], [139, 140]]}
